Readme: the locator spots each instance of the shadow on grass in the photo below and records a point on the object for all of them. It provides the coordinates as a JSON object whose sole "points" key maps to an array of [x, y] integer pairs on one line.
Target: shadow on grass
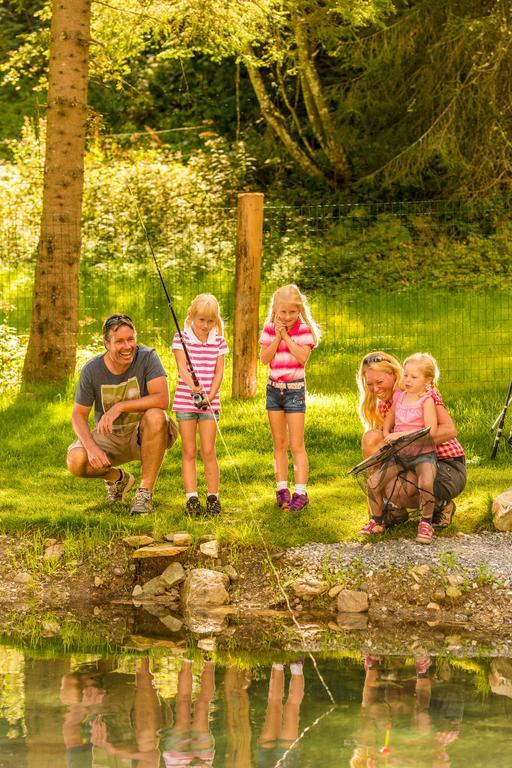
{"points": [[485, 521]]}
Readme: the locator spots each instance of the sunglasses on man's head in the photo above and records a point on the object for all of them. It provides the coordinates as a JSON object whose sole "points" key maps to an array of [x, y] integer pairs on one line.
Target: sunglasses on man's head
{"points": [[114, 319]]}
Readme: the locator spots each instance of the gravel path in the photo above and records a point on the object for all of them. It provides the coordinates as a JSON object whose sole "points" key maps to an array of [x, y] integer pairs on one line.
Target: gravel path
{"points": [[467, 552]]}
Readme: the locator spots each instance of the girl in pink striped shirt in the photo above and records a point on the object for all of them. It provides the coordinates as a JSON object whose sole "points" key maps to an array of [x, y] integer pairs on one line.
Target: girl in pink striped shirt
{"points": [[288, 336], [207, 349]]}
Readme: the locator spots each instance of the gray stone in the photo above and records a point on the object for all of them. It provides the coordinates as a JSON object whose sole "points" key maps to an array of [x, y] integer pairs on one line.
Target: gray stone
{"points": [[55, 552], [206, 622], [352, 601], [50, 628], [23, 578], [138, 541], [204, 588], [352, 621], [210, 548], [182, 539], [172, 623], [207, 644], [173, 574], [231, 572], [502, 511], [154, 587], [308, 587], [158, 550]]}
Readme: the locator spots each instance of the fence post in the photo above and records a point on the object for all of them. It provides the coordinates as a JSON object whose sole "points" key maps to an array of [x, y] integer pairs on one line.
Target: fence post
{"points": [[247, 293]]}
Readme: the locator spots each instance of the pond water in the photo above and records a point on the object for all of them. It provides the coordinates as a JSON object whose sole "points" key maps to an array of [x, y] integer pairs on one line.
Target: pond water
{"points": [[127, 711]]}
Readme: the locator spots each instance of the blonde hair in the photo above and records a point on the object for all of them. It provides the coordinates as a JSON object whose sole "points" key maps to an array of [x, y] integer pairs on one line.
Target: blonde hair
{"points": [[205, 304], [375, 361], [427, 365], [291, 294]]}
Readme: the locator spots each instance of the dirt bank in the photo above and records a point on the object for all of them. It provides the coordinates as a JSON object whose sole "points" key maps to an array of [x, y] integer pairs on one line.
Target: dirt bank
{"points": [[454, 596]]}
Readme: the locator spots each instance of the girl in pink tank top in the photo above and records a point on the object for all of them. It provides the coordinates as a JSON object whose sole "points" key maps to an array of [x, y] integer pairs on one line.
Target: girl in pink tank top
{"points": [[413, 408]]}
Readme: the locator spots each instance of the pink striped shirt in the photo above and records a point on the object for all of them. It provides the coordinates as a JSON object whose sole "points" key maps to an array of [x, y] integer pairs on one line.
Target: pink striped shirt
{"points": [[284, 366], [204, 357]]}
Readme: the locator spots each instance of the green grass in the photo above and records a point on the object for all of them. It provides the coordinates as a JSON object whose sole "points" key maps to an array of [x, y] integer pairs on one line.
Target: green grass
{"points": [[37, 494]]}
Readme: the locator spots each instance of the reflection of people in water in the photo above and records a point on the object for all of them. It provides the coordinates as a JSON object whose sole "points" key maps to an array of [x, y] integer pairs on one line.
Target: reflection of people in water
{"points": [[81, 692], [189, 741], [405, 720], [86, 724], [281, 727]]}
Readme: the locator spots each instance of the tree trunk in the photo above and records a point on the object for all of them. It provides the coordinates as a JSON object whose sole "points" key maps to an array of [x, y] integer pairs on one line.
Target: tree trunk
{"points": [[317, 108], [53, 335], [277, 122]]}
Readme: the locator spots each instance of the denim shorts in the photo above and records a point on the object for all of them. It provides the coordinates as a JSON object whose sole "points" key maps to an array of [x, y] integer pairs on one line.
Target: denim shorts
{"points": [[287, 400], [197, 415]]}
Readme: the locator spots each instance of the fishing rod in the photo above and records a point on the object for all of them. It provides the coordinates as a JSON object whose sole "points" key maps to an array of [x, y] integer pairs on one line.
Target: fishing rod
{"points": [[500, 423], [199, 399]]}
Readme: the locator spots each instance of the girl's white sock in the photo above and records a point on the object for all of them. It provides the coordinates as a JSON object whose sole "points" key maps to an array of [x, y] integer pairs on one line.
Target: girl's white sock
{"points": [[299, 488], [296, 668], [282, 484], [189, 495], [278, 667]]}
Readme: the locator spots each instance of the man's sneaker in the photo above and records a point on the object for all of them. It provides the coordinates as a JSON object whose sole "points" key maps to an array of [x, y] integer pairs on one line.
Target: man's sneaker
{"points": [[143, 502], [371, 527], [193, 507], [298, 502], [442, 516], [117, 491], [425, 533], [212, 505], [283, 498]]}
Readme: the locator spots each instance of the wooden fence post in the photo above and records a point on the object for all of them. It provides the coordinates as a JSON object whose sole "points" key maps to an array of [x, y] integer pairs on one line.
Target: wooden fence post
{"points": [[247, 293]]}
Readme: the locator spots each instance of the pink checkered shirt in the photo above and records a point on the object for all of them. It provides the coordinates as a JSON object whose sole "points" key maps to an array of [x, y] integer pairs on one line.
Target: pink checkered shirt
{"points": [[451, 449]]}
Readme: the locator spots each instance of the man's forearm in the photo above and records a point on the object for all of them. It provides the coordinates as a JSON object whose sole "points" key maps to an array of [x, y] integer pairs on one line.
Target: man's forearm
{"points": [[140, 404], [82, 430]]}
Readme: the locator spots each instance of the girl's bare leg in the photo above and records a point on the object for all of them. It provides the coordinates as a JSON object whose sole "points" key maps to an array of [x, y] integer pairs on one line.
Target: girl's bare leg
{"points": [[277, 421], [426, 474], [295, 422], [207, 436], [188, 454]]}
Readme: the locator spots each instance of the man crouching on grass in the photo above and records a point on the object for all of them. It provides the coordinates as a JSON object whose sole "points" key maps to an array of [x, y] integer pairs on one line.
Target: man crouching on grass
{"points": [[128, 387]]}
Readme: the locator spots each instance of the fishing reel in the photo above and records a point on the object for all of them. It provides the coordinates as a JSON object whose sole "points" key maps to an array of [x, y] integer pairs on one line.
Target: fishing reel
{"points": [[200, 401]]}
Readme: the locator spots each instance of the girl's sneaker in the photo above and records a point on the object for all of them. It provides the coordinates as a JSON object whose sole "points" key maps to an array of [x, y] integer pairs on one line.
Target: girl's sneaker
{"points": [[371, 527], [193, 507], [212, 505], [283, 498], [425, 533], [298, 502]]}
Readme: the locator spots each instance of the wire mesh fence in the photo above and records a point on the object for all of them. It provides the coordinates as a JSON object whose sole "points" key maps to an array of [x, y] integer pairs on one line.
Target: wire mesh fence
{"points": [[401, 278]]}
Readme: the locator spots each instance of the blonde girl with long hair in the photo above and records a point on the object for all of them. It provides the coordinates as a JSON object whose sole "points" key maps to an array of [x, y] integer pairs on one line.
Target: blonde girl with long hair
{"points": [[287, 338], [207, 348]]}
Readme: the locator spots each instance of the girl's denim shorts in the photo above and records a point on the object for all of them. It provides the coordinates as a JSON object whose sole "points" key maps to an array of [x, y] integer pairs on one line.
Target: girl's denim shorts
{"points": [[197, 415], [287, 400]]}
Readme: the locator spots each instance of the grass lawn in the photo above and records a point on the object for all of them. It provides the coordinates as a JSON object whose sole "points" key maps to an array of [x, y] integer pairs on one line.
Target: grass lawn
{"points": [[38, 495]]}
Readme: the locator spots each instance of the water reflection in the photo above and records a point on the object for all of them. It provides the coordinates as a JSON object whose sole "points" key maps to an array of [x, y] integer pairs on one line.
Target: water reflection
{"points": [[408, 715], [169, 711]]}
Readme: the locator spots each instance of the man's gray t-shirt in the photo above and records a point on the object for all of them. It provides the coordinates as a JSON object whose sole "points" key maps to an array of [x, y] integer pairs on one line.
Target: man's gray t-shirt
{"points": [[98, 386]]}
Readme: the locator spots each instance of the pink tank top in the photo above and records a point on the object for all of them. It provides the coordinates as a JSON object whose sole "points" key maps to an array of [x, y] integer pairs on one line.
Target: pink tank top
{"points": [[408, 417]]}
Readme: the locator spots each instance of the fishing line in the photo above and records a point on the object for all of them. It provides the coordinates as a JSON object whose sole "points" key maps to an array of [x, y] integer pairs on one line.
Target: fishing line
{"points": [[196, 396], [228, 452], [302, 734]]}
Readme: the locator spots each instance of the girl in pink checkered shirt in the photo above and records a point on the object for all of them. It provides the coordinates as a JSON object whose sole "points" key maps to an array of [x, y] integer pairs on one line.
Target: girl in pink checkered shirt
{"points": [[287, 338]]}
